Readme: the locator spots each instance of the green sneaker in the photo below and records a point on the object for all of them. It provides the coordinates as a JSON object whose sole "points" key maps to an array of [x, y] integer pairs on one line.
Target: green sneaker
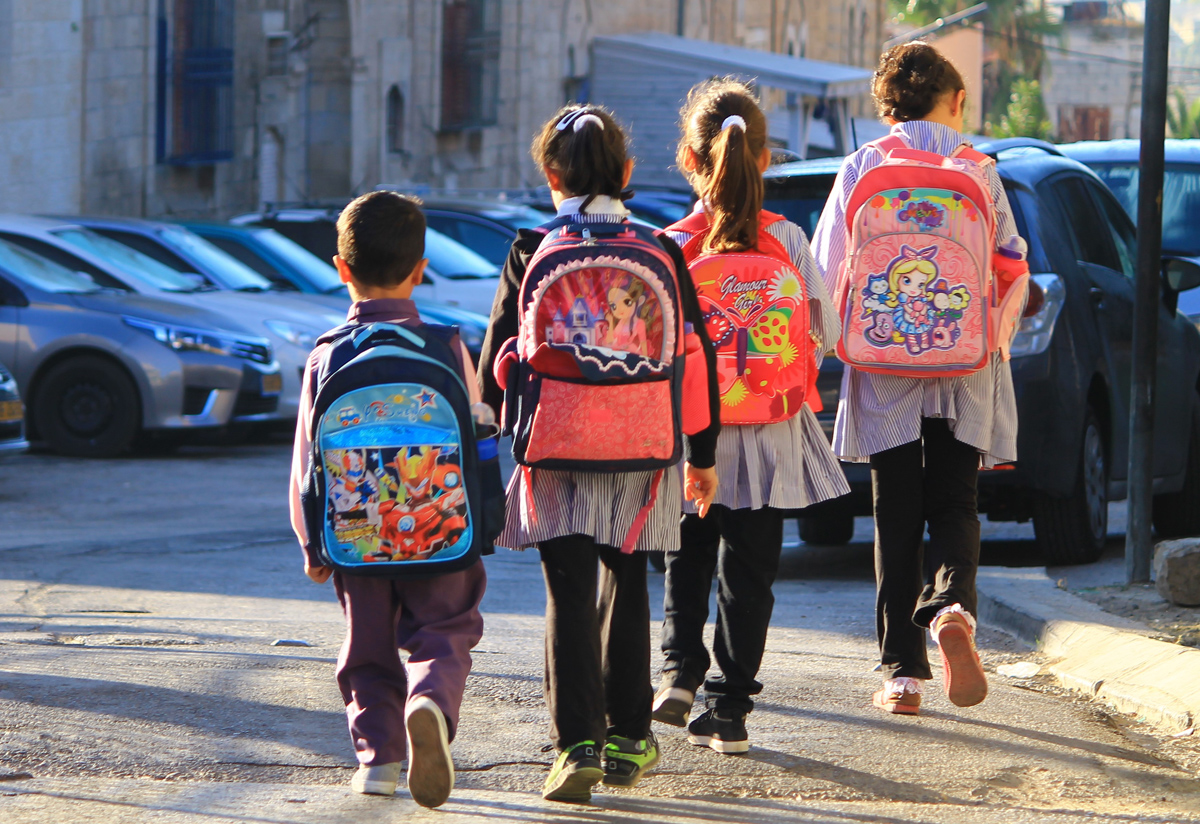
{"points": [[573, 775], [627, 760]]}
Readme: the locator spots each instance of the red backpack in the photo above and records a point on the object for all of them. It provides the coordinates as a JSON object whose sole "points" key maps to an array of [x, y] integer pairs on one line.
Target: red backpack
{"points": [[755, 309]]}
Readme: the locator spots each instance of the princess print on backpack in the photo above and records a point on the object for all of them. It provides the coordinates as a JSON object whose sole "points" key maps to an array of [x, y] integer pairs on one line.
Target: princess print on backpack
{"points": [[918, 291]]}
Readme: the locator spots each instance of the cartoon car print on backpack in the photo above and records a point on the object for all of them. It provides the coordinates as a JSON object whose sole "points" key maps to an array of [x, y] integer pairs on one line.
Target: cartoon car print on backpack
{"points": [[911, 305], [396, 504]]}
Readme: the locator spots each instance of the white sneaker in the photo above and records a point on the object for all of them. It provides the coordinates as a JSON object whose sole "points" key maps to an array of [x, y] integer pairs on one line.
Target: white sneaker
{"points": [[378, 780], [430, 767]]}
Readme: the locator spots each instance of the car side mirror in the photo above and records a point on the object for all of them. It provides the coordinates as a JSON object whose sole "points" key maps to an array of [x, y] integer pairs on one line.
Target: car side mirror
{"points": [[1181, 273]]}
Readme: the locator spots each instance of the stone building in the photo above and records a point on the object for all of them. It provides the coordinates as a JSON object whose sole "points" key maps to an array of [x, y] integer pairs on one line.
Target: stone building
{"points": [[203, 108]]}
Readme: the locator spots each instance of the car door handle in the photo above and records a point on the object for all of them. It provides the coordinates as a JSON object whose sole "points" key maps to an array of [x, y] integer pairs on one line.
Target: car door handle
{"points": [[1097, 296]]}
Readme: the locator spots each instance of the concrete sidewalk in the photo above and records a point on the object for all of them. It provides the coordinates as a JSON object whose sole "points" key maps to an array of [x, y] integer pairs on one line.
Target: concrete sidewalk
{"points": [[1100, 655]]}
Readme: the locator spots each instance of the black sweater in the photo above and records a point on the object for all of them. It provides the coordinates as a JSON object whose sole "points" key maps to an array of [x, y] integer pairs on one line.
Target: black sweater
{"points": [[699, 449]]}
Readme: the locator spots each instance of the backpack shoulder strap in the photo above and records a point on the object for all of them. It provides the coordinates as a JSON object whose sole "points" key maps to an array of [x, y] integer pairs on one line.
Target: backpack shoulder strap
{"points": [[968, 152], [888, 143]]}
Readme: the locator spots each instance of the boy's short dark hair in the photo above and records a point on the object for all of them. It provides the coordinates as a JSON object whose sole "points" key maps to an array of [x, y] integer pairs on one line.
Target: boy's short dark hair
{"points": [[381, 236]]}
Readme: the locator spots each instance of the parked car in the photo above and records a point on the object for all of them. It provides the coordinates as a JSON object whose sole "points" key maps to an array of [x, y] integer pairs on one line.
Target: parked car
{"points": [[455, 275], [12, 416], [283, 261], [289, 323], [1116, 163], [101, 366], [486, 227], [1070, 365]]}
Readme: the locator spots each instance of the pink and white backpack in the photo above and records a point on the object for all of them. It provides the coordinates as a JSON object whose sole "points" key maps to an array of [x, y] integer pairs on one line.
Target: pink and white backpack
{"points": [[918, 295]]}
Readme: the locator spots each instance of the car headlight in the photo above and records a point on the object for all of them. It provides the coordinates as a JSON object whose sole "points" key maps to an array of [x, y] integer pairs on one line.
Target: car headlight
{"points": [[188, 339], [303, 336], [1047, 295]]}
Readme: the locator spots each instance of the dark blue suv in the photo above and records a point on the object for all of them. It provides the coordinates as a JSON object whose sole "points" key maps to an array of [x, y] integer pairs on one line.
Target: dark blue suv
{"points": [[1071, 362]]}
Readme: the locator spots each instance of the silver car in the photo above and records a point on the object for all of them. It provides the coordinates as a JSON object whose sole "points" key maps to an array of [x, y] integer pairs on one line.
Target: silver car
{"points": [[215, 281], [100, 366]]}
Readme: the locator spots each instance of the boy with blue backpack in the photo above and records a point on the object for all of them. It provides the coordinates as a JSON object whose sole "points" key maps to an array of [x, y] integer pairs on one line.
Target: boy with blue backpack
{"points": [[394, 498]]}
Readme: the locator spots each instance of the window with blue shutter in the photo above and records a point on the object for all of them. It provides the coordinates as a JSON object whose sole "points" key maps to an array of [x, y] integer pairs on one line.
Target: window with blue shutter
{"points": [[195, 81]]}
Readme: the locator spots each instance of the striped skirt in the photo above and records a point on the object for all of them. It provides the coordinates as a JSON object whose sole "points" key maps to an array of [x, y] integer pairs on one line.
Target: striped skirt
{"points": [[590, 503], [786, 465]]}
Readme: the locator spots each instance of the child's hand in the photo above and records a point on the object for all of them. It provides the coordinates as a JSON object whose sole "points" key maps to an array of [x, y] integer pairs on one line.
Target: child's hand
{"points": [[700, 487], [319, 574]]}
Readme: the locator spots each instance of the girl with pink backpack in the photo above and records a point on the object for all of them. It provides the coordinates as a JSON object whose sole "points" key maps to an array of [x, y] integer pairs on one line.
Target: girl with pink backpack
{"points": [[919, 245], [597, 363], [768, 313]]}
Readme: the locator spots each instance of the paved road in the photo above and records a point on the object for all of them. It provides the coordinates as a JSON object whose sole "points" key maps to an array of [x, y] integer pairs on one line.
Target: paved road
{"points": [[140, 600]]}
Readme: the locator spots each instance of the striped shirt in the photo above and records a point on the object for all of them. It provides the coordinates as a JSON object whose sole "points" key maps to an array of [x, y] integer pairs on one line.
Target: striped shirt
{"points": [[786, 465], [878, 412]]}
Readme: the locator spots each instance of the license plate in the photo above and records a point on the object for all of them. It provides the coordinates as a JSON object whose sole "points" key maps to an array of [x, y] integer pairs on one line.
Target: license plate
{"points": [[11, 411], [272, 384]]}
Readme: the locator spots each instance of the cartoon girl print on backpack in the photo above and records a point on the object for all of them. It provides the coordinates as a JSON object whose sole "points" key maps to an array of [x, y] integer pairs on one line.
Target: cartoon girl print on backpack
{"points": [[912, 305]]}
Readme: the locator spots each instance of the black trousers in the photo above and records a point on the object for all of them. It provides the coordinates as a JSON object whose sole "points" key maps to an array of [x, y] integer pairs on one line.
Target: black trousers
{"points": [[931, 481], [742, 547], [597, 649]]}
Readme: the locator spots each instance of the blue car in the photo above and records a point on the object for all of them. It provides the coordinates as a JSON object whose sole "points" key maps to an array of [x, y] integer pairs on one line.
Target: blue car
{"points": [[1116, 163], [1070, 362]]}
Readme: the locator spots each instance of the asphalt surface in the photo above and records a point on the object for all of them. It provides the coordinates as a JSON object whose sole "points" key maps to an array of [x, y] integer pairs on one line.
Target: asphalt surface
{"points": [[140, 603]]}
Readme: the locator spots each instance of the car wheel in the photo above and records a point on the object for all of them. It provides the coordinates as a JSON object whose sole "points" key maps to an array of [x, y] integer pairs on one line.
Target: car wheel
{"points": [[1177, 514], [88, 407], [1072, 530], [830, 523]]}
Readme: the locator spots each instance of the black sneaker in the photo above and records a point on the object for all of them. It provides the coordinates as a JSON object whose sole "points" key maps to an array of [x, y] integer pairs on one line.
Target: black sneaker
{"points": [[672, 703], [723, 732], [575, 772]]}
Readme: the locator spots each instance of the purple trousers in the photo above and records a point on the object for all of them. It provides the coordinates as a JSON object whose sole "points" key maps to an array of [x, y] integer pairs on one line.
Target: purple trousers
{"points": [[436, 621]]}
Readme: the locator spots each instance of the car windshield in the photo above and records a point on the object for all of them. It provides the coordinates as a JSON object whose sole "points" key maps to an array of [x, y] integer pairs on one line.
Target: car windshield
{"points": [[1181, 201], [41, 273], [232, 273], [451, 259], [799, 198], [143, 267], [320, 274]]}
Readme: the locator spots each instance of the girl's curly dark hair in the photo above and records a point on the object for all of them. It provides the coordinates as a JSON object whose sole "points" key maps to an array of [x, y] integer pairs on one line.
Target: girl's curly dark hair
{"points": [[911, 79]]}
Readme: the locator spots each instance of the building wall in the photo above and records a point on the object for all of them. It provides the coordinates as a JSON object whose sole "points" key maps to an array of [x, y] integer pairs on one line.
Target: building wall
{"points": [[41, 104], [1102, 97], [78, 94]]}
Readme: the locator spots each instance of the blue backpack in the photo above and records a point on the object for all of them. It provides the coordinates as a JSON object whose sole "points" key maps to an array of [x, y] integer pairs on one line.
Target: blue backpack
{"points": [[395, 483]]}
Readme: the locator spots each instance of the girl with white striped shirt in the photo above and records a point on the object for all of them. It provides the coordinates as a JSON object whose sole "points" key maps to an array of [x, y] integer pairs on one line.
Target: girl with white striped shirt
{"points": [[597, 624], [764, 468], [924, 437]]}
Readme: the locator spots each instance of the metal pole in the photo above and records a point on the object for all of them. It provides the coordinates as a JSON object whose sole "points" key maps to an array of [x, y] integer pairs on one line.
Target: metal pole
{"points": [[1138, 540]]}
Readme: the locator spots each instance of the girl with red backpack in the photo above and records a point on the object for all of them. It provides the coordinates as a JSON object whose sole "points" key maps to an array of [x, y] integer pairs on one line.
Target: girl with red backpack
{"points": [[592, 325], [769, 316], [922, 196]]}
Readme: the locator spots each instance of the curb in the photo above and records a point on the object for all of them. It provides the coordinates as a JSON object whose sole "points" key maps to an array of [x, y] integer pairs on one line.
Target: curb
{"points": [[1102, 656]]}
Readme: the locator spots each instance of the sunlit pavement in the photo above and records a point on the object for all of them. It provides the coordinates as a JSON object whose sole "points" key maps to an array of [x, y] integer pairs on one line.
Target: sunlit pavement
{"points": [[140, 600]]}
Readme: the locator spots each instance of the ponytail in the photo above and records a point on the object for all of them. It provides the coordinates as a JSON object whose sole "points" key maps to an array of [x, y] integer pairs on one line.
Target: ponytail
{"points": [[734, 193], [726, 132]]}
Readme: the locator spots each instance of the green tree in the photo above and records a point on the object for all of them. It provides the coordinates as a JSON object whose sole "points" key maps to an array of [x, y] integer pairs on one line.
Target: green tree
{"points": [[1183, 119], [1026, 113]]}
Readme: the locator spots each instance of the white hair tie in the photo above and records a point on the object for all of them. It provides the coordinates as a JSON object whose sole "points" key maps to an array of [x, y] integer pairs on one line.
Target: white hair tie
{"points": [[734, 120], [589, 118], [579, 117]]}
